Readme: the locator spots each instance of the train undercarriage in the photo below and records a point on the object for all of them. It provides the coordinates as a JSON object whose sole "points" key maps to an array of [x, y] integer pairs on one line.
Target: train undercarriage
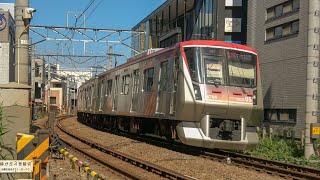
{"points": [[137, 125], [208, 133]]}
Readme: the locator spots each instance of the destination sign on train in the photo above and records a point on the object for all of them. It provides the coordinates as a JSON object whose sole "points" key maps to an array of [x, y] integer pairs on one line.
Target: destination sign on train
{"points": [[234, 55]]}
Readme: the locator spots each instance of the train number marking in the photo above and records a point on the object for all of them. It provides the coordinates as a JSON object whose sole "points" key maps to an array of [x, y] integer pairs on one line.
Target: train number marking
{"points": [[248, 99], [212, 97]]}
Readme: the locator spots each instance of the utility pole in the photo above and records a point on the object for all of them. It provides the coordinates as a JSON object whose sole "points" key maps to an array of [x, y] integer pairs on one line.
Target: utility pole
{"points": [[312, 74], [23, 15], [48, 84]]}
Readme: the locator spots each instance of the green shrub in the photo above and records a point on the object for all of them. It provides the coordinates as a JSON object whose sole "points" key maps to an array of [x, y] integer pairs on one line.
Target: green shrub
{"points": [[5, 150], [286, 150]]}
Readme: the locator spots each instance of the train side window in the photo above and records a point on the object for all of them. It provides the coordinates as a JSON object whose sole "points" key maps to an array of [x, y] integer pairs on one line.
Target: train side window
{"points": [[109, 87], [136, 81], [125, 84], [148, 79], [164, 66]]}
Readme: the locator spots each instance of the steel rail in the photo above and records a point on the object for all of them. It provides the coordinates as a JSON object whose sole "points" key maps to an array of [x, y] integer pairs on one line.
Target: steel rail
{"points": [[110, 165], [282, 169], [270, 166], [161, 171]]}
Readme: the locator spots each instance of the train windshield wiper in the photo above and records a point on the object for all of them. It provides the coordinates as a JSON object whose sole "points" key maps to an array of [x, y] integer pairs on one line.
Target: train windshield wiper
{"points": [[216, 84]]}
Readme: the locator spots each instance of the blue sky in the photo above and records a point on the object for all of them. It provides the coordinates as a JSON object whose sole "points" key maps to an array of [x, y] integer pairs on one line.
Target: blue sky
{"points": [[109, 14], [112, 14]]}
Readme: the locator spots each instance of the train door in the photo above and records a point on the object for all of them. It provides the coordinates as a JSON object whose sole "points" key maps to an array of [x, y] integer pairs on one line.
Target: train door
{"points": [[101, 94], [91, 96], [97, 99], [116, 93], [87, 99], [174, 81], [135, 90], [163, 89], [95, 95], [149, 95]]}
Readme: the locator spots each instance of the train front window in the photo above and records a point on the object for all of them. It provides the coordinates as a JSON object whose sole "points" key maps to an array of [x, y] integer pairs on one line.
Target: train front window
{"points": [[194, 63], [214, 59], [214, 71], [219, 66], [241, 68]]}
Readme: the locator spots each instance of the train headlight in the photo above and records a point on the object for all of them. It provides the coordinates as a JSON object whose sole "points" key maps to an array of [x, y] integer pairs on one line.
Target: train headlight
{"points": [[254, 98], [197, 92]]}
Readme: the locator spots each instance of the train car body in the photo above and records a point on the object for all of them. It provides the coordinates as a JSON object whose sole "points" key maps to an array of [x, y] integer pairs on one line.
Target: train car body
{"points": [[206, 93]]}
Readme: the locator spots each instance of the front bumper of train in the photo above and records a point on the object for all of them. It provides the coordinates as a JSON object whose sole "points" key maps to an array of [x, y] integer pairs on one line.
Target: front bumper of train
{"points": [[190, 133]]}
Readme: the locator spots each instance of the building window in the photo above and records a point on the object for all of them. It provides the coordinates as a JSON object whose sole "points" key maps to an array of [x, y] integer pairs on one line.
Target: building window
{"points": [[280, 115], [283, 30], [278, 10], [295, 27], [295, 5], [283, 9], [37, 70], [53, 100], [57, 85], [148, 79], [37, 91], [125, 84], [287, 7], [278, 31], [270, 13]]}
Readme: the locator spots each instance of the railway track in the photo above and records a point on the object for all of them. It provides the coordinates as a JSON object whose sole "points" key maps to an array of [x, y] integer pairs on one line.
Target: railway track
{"points": [[285, 170], [149, 167], [271, 167]]}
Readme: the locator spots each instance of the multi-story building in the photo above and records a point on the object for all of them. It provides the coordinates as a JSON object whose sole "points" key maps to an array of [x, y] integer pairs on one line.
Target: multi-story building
{"points": [[278, 29], [74, 79], [38, 85], [54, 88], [7, 39], [64, 84], [182, 20]]}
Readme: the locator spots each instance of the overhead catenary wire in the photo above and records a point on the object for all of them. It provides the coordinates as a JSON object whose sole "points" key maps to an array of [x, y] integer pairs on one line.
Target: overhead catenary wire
{"points": [[72, 40], [75, 24]]}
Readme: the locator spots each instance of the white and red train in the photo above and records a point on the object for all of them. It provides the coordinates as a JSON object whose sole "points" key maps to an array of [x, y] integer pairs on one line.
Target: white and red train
{"points": [[205, 93]]}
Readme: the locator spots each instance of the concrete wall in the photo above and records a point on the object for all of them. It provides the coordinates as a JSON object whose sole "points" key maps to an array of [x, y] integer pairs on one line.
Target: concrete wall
{"points": [[4, 62], [17, 113], [283, 60]]}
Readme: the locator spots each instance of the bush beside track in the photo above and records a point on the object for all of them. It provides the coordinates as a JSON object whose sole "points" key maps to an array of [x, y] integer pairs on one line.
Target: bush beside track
{"points": [[285, 150]]}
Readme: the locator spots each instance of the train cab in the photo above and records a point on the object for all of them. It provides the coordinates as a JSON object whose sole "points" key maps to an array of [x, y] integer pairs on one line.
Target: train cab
{"points": [[225, 82]]}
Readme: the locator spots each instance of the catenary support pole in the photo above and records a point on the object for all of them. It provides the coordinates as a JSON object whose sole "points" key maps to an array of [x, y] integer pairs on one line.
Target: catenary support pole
{"points": [[312, 74], [21, 43]]}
